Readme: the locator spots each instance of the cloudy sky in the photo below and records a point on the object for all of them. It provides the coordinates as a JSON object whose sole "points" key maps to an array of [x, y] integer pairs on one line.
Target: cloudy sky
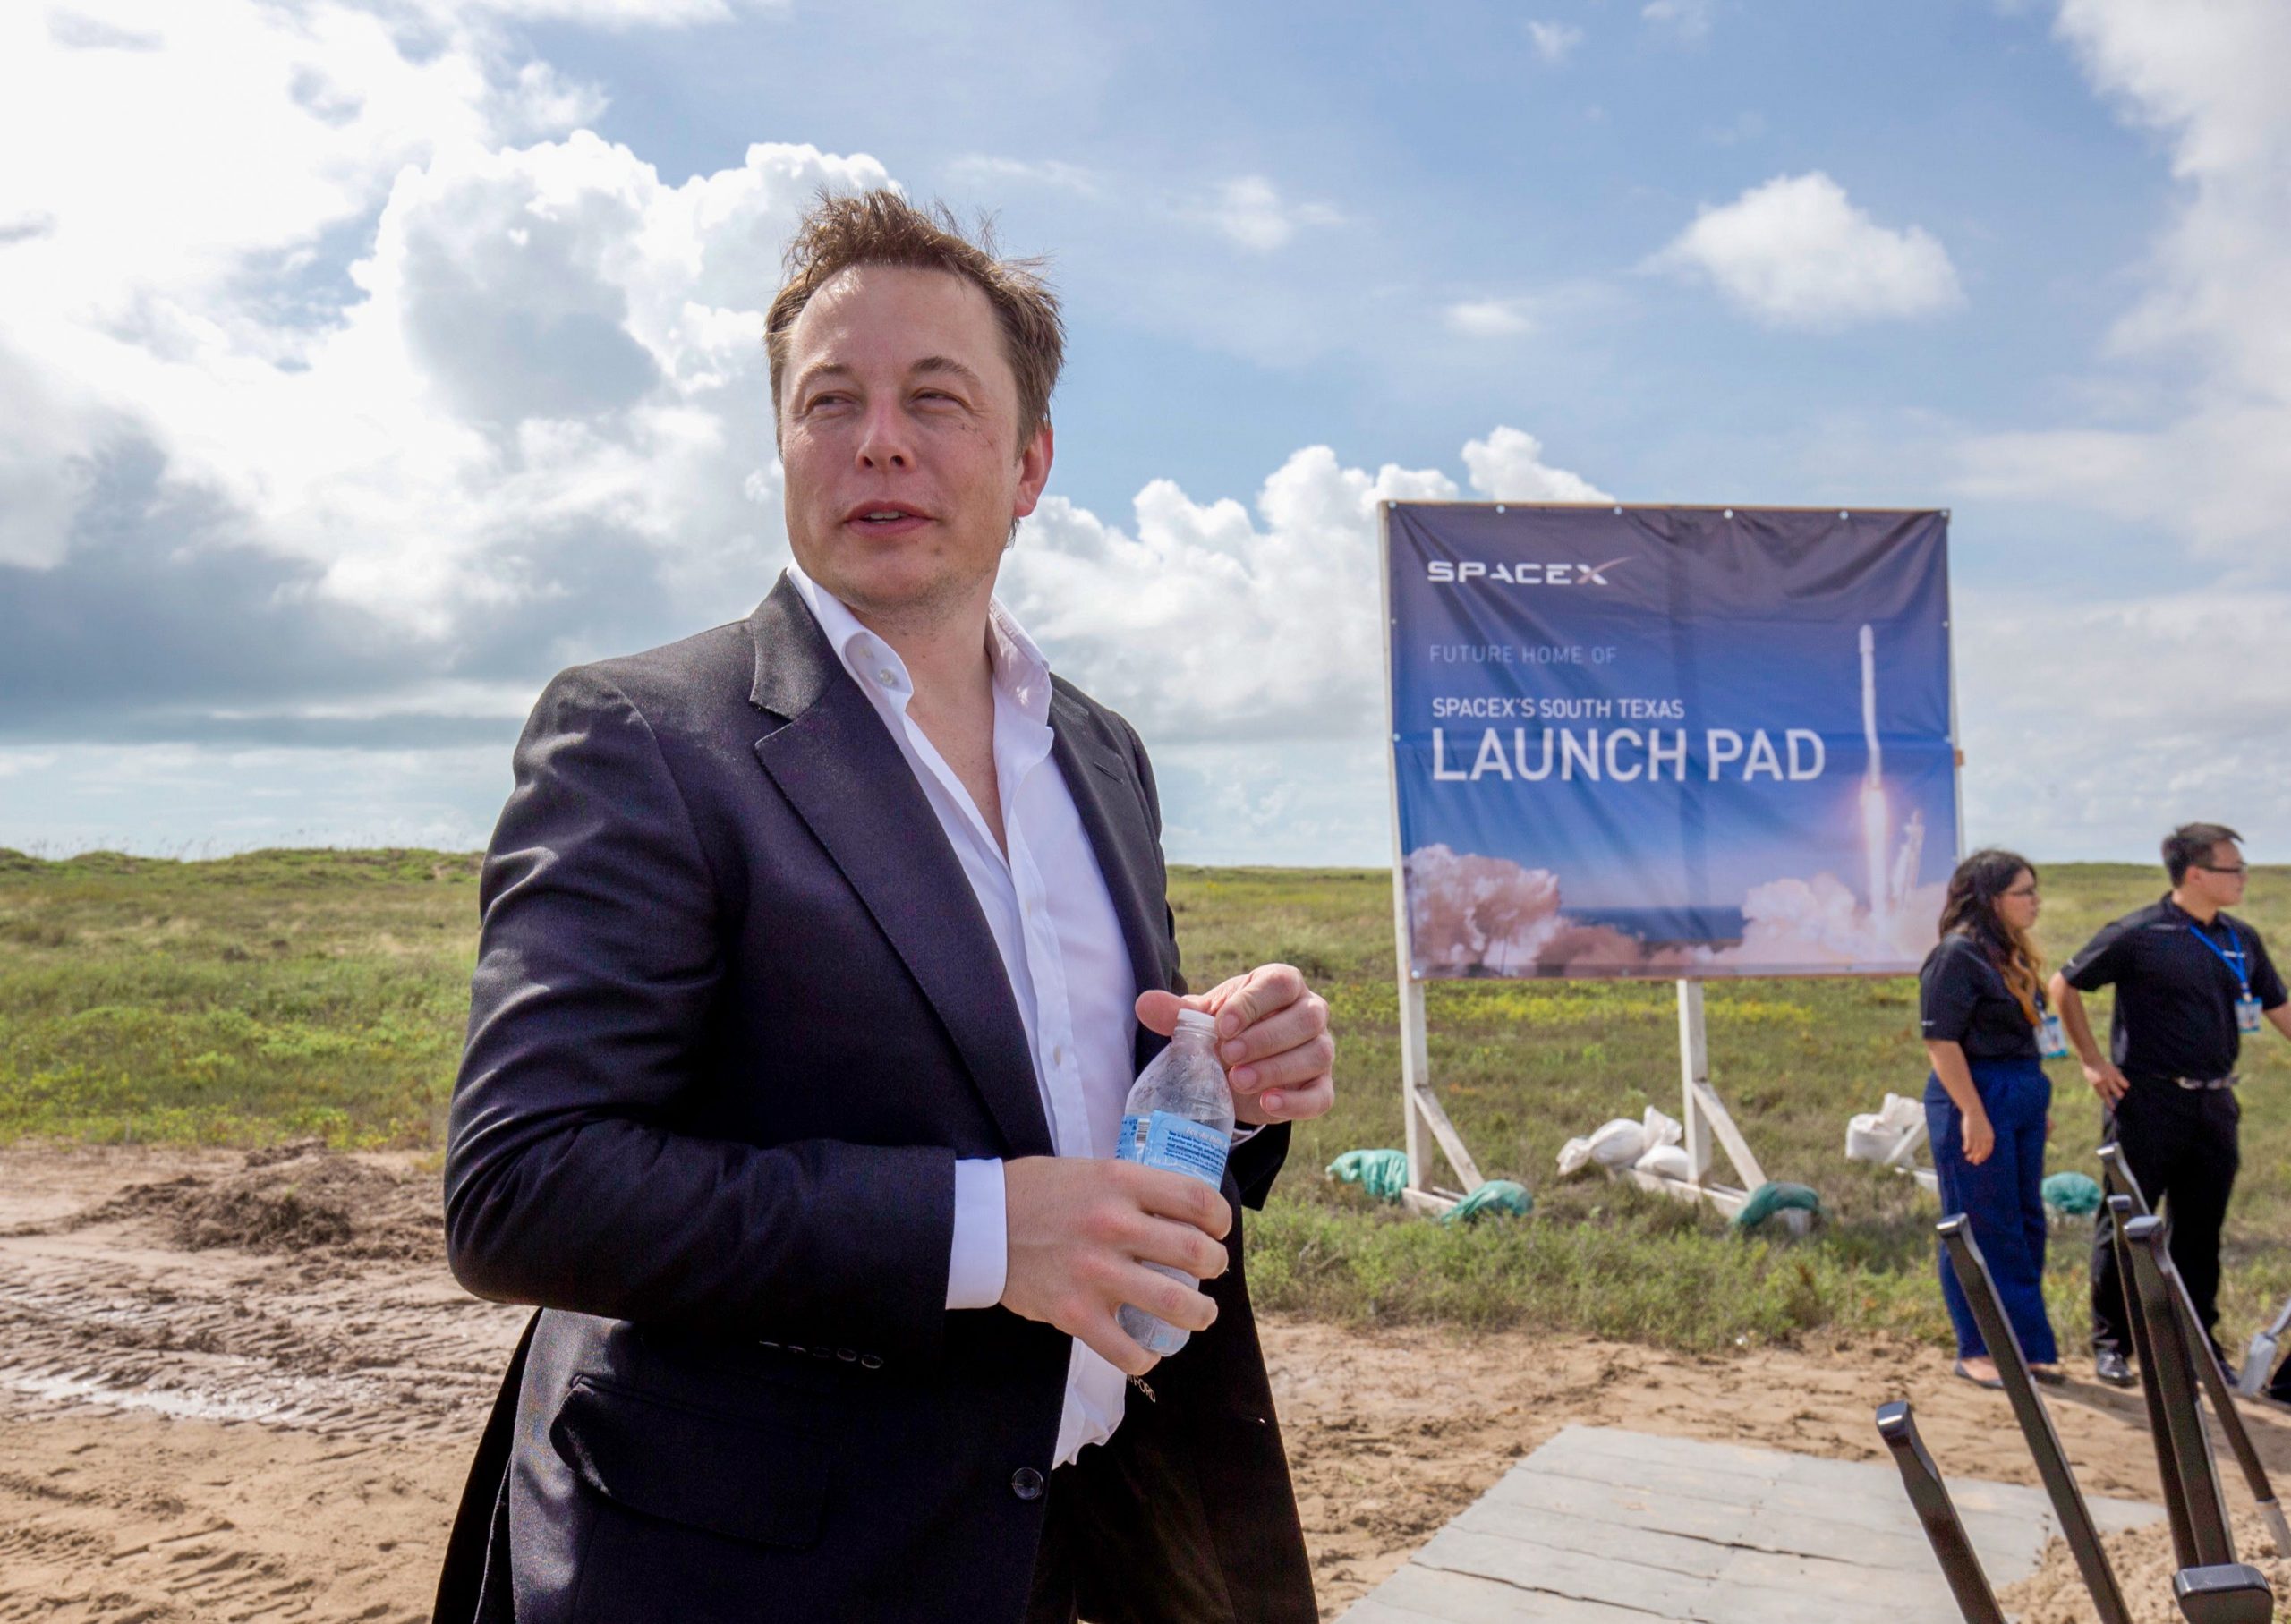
{"points": [[362, 364]]}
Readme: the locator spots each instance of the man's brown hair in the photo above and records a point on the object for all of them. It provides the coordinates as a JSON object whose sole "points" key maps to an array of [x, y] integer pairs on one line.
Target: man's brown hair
{"points": [[881, 227]]}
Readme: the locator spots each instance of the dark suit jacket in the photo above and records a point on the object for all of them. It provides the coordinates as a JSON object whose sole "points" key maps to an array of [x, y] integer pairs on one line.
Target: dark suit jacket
{"points": [[736, 1015]]}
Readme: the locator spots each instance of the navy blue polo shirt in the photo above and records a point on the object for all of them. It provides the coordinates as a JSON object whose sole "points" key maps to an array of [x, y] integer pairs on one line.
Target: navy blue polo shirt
{"points": [[2175, 996], [1961, 998]]}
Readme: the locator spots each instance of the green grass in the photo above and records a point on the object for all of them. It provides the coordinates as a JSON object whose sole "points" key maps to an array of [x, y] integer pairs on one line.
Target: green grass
{"points": [[277, 994], [234, 1001]]}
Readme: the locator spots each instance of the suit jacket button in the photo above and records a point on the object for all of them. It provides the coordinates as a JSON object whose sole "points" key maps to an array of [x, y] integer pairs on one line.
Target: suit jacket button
{"points": [[871, 1361], [846, 1354], [1026, 1483]]}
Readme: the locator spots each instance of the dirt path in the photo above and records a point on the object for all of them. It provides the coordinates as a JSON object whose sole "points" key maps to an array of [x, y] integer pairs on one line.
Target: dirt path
{"points": [[195, 1428]]}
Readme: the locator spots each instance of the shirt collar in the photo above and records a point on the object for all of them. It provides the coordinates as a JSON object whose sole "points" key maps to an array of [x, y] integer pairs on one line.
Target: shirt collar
{"points": [[2175, 913], [1021, 673]]}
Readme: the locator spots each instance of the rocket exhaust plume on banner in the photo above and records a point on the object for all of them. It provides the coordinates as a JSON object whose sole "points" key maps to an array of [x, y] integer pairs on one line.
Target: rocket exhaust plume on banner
{"points": [[1873, 788]]}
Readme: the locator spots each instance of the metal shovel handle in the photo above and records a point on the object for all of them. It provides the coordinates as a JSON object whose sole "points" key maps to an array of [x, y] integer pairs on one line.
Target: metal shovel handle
{"points": [[2075, 1516], [2172, 1364], [1944, 1530]]}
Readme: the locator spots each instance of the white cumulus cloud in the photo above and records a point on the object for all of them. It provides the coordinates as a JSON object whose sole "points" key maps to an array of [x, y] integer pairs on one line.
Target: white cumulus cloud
{"points": [[1553, 41], [2195, 718], [2194, 721], [2212, 465], [317, 387], [600, 13], [1797, 251], [1508, 466], [1251, 211], [1491, 319], [1214, 621], [1685, 21]]}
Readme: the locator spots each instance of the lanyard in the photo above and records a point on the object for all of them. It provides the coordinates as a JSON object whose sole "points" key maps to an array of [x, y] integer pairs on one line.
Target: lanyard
{"points": [[2235, 961]]}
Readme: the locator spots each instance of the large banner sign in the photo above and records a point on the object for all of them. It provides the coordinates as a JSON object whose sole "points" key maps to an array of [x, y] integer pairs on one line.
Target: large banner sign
{"points": [[1670, 742]]}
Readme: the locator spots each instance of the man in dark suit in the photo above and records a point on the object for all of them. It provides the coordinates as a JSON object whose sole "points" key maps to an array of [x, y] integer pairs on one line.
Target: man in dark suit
{"points": [[819, 951]]}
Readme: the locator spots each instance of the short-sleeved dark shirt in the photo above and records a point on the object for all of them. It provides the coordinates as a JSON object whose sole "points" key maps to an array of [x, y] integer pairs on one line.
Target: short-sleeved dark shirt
{"points": [[1962, 999], [2175, 997]]}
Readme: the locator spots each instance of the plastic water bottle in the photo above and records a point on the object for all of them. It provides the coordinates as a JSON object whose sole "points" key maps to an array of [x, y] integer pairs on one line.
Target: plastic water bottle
{"points": [[1180, 1117]]}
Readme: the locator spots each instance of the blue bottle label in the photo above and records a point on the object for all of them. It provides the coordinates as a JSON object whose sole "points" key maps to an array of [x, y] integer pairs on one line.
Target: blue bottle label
{"points": [[1177, 1143]]}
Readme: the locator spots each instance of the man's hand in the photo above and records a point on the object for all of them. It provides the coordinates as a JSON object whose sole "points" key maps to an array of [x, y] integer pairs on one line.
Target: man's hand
{"points": [[2106, 1081], [1077, 1229], [1979, 1137], [1272, 1036]]}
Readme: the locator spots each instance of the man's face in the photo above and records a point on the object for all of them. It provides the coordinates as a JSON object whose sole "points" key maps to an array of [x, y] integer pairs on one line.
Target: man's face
{"points": [[898, 432], [2219, 878]]}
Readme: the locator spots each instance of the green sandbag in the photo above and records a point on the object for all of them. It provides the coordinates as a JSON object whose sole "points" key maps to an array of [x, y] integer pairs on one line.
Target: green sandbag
{"points": [[1383, 1174], [2074, 1194], [1496, 1195], [1770, 1198]]}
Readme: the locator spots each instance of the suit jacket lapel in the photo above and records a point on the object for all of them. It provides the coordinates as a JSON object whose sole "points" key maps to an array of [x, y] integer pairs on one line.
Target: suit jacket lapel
{"points": [[1112, 806], [845, 777]]}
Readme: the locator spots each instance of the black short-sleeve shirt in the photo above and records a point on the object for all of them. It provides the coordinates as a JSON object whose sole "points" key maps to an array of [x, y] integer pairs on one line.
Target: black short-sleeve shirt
{"points": [[1962, 999], [2175, 997]]}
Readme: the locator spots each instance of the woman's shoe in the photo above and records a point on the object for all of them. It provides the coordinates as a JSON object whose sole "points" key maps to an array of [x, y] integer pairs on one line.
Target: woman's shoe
{"points": [[1995, 1383], [2051, 1375]]}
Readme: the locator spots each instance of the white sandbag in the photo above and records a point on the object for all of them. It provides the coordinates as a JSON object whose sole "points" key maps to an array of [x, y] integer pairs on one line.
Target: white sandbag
{"points": [[1669, 1160], [1619, 1143], [1574, 1156], [1867, 1139], [1661, 1130], [1876, 1135]]}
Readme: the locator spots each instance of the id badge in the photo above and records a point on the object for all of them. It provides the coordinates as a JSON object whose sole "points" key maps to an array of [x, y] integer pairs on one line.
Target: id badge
{"points": [[2052, 1037], [2247, 1014]]}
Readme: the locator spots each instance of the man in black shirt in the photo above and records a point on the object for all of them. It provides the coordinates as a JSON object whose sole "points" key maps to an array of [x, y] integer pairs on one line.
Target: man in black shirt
{"points": [[2190, 981]]}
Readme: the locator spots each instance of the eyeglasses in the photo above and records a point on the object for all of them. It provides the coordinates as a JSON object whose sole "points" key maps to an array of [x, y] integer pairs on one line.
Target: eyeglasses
{"points": [[2022, 890], [2213, 868]]}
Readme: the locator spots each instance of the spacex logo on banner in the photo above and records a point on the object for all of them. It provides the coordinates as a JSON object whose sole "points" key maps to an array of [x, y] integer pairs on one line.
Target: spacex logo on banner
{"points": [[1442, 573]]}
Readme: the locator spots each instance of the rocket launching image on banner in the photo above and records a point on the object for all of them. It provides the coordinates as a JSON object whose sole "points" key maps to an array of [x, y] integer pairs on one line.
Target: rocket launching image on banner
{"points": [[1891, 871], [1670, 742]]}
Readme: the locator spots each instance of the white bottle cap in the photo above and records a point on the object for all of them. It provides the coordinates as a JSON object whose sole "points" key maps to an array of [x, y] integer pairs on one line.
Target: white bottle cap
{"points": [[1195, 1020]]}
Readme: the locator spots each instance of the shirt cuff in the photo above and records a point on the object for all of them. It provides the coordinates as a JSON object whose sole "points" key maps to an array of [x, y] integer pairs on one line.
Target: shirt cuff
{"points": [[979, 1264]]}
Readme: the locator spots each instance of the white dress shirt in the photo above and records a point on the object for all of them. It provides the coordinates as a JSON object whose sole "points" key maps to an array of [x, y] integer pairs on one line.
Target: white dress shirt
{"points": [[1060, 938]]}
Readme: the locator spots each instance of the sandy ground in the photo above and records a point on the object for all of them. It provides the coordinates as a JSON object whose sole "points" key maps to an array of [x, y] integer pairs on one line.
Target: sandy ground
{"points": [[2142, 1562], [235, 1392]]}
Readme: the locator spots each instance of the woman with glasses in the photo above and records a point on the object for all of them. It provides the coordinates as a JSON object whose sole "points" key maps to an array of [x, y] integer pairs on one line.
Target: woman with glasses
{"points": [[1982, 1005]]}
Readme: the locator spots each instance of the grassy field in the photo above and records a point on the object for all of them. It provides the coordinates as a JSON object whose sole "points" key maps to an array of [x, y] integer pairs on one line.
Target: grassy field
{"points": [[287, 994]]}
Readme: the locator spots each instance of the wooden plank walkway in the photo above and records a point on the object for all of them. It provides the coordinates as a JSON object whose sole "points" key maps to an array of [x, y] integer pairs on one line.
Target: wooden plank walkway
{"points": [[1606, 1526]]}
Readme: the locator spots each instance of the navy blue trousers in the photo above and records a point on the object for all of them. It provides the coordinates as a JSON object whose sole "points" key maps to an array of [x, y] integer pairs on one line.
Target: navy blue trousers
{"points": [[2000, 1197]]}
